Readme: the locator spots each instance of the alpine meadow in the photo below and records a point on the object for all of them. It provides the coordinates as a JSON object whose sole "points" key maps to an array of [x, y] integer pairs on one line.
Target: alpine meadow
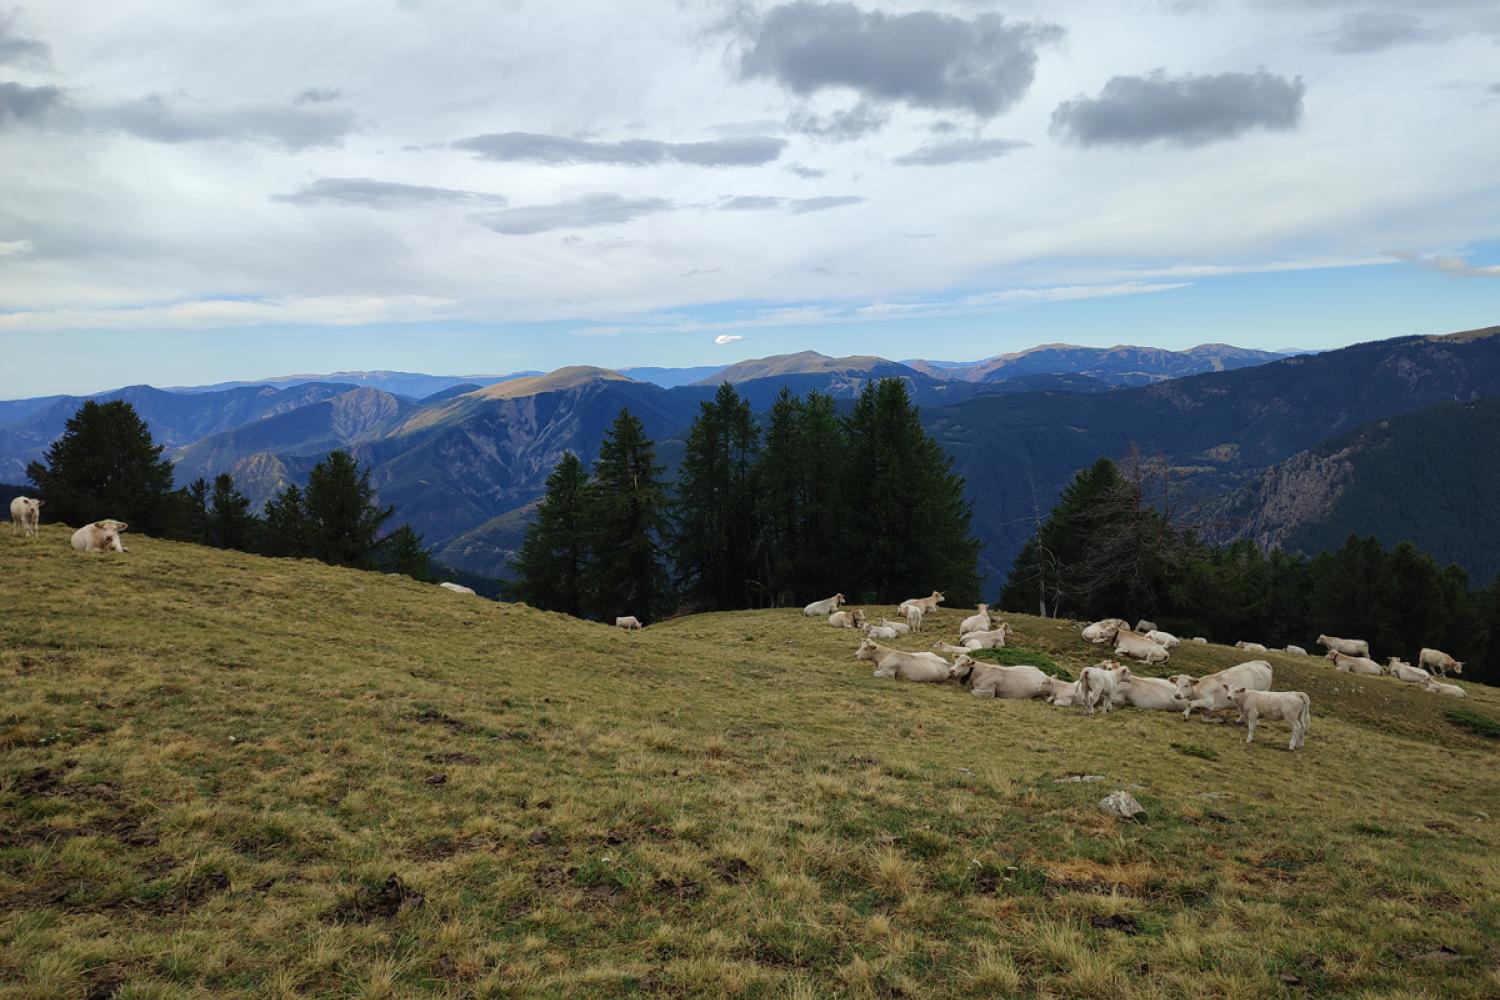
{"points": [[749, 499]]}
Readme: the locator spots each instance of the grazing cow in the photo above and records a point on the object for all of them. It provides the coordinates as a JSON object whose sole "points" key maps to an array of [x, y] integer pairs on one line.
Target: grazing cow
{"points": [[989, 680], [1288, 706], [1199, 639], [1164, 639], [25, 512], [976, 623], [1104, 631], [629, 623], [458, 588], [913, 613], [1402, 670], [1356, 664], [1438, 662], [847, 619], [1060, 692], [1097, 685], [1295, 651], [1250, 647], [928, 668], [901, 627], [1438, 687], [1211, 692], [1349, 647], [881, 632], [1153, 693], [829, 606], [1143, 626], [1134, 644], [927, 604], [101, 536]]}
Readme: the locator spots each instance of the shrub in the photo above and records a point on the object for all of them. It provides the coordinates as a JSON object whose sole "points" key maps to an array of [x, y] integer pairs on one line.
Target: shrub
{"points": [[1479, 725], [1015, 656]]}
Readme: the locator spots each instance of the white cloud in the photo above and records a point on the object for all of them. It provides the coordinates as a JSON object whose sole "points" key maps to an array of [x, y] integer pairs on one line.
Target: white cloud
{"points": [[728, 338], [15, 248]]}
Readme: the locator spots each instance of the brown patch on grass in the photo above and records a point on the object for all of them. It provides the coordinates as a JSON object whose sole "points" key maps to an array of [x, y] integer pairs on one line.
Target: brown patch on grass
{"points": [[380, 902]]}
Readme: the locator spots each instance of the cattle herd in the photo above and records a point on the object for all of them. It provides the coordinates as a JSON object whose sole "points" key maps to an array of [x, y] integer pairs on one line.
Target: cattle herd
{"points": [[1245, 687]]}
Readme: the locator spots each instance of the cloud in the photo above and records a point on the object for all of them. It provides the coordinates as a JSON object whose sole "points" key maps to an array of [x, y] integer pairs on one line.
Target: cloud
{"points": [[936, 154], [728, 338], [382, 194], [530, 147], [577, 213], [1372, 31], [808, 173], [18, 49], [20, 103], [840, 126], [319, 95], [15, 248], [1188, 110], [1452, 265], [157, 119], [924, 58], [793, 206], [194, 314]]}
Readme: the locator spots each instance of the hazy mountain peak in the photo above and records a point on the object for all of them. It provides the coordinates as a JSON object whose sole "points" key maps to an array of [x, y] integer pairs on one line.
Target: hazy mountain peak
{"points": [[560, 380], [801, 363]]}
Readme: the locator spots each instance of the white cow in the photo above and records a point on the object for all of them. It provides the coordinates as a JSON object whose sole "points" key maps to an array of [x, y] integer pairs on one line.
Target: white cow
{"points": [[1349, 647], [1402, 670], [1250, 647], [1152, 693], [901, 627], [1060, 692], [101, 536], [847, 619], [1288, 706], [1144, 625], [458, 588], [1097, 686], [881, 632], [1164, 639], [1134, 644], [1438, 687], [1211, 692], [913, 613], [1104, 630], [1199, 639], [25, 513], [893, 663], [993, 639], [1356, 664], [976, 623], [928, 603], [629, 623], [1439, 662], [990, 680], [829, 606], [1295, 651]]}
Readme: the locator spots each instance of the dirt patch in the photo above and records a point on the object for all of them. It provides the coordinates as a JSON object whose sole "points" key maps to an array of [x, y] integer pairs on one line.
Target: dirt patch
{"points": [[1121, 922], [733, 871], [378, 903], [432, 717], [452, 757]]}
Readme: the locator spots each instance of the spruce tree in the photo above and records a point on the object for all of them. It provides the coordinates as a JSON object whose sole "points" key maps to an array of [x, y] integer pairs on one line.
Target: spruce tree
{"points": [[402, 552], [627, 505], [779, 507], [342, 513], [230, 523], [193, 525], [105, 465], [715, 529], [552, 568], [828, 529], [288, 530]]}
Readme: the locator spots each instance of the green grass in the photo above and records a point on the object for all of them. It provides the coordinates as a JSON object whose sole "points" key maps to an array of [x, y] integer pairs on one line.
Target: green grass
{"points": [[227, 776], [1016, 656], [1471, 720], [1195, 750]]}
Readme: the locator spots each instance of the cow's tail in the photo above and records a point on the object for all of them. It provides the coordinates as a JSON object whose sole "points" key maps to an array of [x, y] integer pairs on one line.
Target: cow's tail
{"points": [[1305, 715]]}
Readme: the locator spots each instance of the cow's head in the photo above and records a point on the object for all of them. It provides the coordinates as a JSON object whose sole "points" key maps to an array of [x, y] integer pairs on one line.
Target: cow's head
{"points": [[984, 609], [1184, 685], [1458, 666], [866, 650], [838, 599], [937, 596], [962, 668]]}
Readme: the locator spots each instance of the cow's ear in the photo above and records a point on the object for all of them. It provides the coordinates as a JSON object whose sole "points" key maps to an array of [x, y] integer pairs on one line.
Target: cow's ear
{"points": [[121, 525]]}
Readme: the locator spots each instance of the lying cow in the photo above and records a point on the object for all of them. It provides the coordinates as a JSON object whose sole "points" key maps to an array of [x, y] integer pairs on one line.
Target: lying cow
{"points": [[1438, 662], [1143, 626], [1104, 631], [1404, 671], [25, 514], [1356, 664], [1288, 706], [101, 536], [927, 604], [629, 623], [1164, 639], [817, 608], [1211, 692], [1097, 686], [1438, 687], [993, 639], [1295, 651], [881, 632], [1137, 646], [1349, 647], [1152, 693], [1250, 647], [1200, 640], [989, 680], [901, 628], [976, 623], [927, 668], [847, 619], [1060, 692]]}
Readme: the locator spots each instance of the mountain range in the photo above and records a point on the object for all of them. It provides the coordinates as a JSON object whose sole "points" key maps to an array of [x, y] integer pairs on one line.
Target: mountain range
{"points": [[463, 458]]}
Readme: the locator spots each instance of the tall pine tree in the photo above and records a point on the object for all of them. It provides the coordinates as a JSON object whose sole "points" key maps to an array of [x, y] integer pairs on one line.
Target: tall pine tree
{"points": [[343, 516], [105, 465], [288, 529], [715, 529], [627, 507], [402, 552], [552, 568], [230, 523]]}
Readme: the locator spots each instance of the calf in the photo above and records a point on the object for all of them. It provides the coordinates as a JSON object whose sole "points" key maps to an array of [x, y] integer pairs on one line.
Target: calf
{"points": [[1438, 662], [629, 623], [901, 627], [989, 680], [1060, 692], [1165, 639], [928, 668], [1356, 664], [913, 613], [1097, 685], [881, 632], [829, 606], [1211, 692], [25, 513], [1288, 706], [101, 536]]}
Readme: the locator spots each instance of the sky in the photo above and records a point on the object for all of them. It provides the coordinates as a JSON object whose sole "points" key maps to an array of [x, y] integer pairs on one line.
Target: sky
{"points": [[194, 191]]}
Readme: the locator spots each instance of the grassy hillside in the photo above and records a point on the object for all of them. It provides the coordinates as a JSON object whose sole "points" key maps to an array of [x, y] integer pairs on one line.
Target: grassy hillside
{"points": [[212, 765]]}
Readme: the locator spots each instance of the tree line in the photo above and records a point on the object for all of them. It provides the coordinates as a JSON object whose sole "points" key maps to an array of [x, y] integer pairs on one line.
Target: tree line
{"points": [[809, 504], [1110, 548], [105, 464]]}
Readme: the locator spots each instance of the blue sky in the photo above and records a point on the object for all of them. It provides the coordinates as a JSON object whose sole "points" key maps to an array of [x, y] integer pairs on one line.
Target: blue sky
{"points": [[195, 191]]}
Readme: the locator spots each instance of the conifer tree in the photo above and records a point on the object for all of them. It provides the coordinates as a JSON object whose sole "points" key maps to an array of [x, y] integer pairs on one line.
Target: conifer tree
{"points": [[402, 552], [343, 517], [627, 512], [779, 507], [715, 528], [230, 523], [288, 530], [552, 568], [105, 465]]}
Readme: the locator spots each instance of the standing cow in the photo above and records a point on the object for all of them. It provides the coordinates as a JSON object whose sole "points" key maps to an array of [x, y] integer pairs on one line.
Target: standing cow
{"points": [[25, 513]]}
